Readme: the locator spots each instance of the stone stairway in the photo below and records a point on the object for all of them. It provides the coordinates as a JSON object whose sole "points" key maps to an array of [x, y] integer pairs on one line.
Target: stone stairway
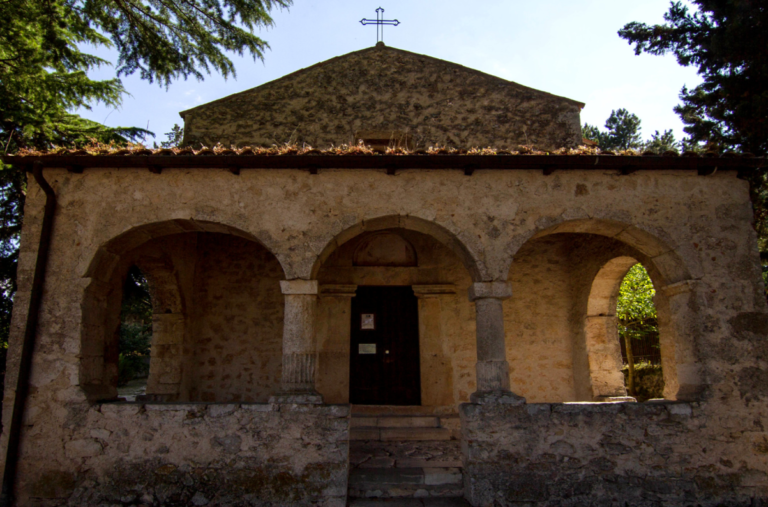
{"points": [[402, 456]]}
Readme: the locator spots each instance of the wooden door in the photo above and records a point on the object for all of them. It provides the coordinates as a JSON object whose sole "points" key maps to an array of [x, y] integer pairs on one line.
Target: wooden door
{"points": [[384, 358]]}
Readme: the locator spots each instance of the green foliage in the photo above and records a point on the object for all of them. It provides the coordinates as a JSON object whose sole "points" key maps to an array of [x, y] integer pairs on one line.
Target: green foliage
{"points": [[660, 143], [635, 309], [622, 132], [174, 137], [135, 328], [726, 40], [649, 380]]}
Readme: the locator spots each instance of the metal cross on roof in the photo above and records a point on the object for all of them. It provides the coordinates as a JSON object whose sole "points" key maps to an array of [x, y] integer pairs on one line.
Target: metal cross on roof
{"points": [[379, 22]]}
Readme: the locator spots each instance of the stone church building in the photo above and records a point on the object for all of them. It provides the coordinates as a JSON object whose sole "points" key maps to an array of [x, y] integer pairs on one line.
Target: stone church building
{"points": [[449, 294]]}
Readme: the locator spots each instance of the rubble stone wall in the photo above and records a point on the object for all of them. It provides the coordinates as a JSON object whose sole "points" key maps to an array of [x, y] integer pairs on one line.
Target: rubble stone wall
{"points": [[192, 454], [612, 454], [237, 322]]}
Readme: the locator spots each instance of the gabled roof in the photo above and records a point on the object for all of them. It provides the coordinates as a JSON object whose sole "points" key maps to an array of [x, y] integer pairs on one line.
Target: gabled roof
{"points": [[363, 52], [388, 90]]}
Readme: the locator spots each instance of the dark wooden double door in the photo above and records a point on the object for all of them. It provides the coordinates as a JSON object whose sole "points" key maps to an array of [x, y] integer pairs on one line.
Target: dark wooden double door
{"points": [[384, 359]]}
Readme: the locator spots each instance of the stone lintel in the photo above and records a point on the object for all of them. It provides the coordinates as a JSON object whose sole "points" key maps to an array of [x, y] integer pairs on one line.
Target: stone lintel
{"points": [[298, 287], [432, 291], [338, 290], [490, 290]]}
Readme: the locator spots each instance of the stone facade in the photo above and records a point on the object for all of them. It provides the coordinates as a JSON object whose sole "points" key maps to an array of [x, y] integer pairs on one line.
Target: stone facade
{"points": [[514, 274], [387, 96], [613, 454], [193, 454]]}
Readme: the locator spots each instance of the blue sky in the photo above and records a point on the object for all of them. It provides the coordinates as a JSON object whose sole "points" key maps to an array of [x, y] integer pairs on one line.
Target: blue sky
{"points": [[565, 47]]}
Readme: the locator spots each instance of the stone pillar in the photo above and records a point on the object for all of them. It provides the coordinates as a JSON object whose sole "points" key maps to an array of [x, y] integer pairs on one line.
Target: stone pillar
{"points": [[435, 349], [492, 366], [334, 306], [165, 366], [299, 354], [601, 333], [680, 331]]}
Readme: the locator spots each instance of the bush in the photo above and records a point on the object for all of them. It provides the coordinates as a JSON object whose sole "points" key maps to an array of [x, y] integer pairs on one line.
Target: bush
{"points": [[649, 380], [135, 342]]}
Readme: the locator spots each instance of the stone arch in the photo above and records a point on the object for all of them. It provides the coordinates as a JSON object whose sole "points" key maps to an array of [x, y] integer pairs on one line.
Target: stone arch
{"points": [[593, 311], [670, 266], [601, 329], [102, 298], [471, 259], [107, 256]]}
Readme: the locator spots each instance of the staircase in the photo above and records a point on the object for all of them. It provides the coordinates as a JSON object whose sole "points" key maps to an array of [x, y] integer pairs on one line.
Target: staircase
{"points": [[405, 456]]}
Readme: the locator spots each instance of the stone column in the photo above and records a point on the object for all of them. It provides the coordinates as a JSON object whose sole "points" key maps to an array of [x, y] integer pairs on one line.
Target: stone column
{"points": [[299, 354], [334, 306], [683, 377], [601, 333], [492, 366], [435, 348]]}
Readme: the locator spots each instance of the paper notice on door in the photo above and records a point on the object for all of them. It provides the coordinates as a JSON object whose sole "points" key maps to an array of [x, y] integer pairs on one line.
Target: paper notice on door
{"points": [[366, 348], [367, 321]]}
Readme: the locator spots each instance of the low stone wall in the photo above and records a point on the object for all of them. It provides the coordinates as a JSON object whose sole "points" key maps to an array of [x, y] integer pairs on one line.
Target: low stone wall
{"points": [[609, 454], [196, 454]]}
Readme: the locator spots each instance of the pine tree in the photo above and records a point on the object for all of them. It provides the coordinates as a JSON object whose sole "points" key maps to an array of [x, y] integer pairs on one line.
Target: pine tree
{"points": [[727, 40], [660, 143], [622, 132]]}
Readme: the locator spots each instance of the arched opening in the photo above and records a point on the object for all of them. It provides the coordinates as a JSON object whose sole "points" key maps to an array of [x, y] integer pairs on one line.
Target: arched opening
{"points": [[393, 264], [135, 340], [216, 316], [638, 326], [561, 323]]}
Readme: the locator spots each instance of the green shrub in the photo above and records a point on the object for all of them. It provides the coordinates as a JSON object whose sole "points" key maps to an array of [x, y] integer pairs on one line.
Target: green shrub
{"points": [[649, 380], [135, 343]]}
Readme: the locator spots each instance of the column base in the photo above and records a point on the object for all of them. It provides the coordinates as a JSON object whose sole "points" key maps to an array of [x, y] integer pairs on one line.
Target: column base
{"points": [[496, 397], [297, 398]]}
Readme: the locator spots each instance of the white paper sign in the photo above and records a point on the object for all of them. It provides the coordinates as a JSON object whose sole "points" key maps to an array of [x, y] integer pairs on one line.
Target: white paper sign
{"points": [[366, 348]]}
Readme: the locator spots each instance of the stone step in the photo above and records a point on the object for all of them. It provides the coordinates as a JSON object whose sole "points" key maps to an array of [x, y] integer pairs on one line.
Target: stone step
{"points": [[405, 483], [399, 434], [396, 421], [408, 502]]}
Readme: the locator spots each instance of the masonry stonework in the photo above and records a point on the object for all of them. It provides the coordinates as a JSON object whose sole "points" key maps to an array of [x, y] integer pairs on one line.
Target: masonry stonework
{"points": [[398, 97], [535, 244]]}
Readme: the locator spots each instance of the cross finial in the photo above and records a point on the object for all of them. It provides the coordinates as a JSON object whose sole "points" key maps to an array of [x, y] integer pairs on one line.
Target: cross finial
{"points": [[379, 22]]}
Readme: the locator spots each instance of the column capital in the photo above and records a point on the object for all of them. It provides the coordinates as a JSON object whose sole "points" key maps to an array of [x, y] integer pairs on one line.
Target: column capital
{"points": [[490, 290], [297, 287]]}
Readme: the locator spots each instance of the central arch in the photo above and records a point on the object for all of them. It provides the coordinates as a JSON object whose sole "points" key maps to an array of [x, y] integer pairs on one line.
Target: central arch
{"points": [[470, 258], [411, 275]]}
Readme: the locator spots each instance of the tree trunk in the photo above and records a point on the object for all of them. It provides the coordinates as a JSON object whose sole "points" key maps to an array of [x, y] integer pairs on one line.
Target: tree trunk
{"points": [[631, 364]]}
